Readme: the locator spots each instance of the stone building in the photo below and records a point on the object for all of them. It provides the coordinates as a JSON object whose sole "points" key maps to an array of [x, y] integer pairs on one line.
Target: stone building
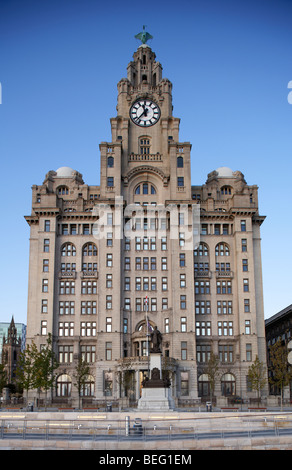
{"points": [[145, 248], [11, 348], [279, 327]]}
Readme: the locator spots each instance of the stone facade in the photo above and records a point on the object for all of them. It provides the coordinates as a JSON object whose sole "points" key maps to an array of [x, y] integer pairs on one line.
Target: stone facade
{"points": [[98, 252]]}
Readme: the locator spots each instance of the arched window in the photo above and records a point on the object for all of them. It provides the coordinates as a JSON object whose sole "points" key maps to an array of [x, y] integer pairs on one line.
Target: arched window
{"points": [[110, 162], [62, 190], [145, 189], [64, 386], [68, 249], [89, 249], [222, 249], [87, 389], [202, 250], [228, 387], [180, 162], [226, 190], [204, 385]]}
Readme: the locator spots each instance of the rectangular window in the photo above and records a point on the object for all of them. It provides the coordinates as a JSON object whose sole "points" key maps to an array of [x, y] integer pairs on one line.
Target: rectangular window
{"points": [[202, 287], [203, 307], [183, 324], [153, 284], [184, 350], [183, 302], [108, 351], [244, 265], [109, 302], [47, 226], [127, 304], [127, 264], [182, 280], [109, 260], [164, 303], [244, 245], [88, 329], [246, 305], [226, 353], [163, 244], [45, 265], [110, 181], [85, 229], [44, 325], [46, 245], [145, 283], [88, 307], [109, 281], [66, 308], [225, 328], [65, 354], [109, 239], [180, 181], [243, 225], [127, 284], [44, 306], [245, 285], [247, 327], [145, 264], [182, 260], [248, 352], [45, 285], [153, 304], [66, 329], [184, 384], [203, 328], [67, 287], [203, 353], [166, 325], [138, 304], [64, 228], [108, 325], [125, 325]]}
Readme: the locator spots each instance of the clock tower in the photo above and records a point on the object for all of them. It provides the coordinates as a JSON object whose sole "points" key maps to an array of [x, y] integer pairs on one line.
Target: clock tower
{"points": [[149, 168]]}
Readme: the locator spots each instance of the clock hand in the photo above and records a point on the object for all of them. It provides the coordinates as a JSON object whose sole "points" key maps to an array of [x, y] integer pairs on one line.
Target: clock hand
{"points": [[145, 111]]}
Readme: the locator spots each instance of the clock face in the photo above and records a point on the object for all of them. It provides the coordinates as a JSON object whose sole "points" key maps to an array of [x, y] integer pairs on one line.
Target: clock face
{"points": [[144, 113]]}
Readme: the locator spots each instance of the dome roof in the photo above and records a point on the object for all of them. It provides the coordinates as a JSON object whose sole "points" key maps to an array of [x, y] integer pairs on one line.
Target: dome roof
{"points": [[225, 172], [64, 172]]}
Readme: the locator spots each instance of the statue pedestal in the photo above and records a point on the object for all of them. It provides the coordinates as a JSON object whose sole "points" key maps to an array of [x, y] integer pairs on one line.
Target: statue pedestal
{"points": [[156, 395], [156, 399]]}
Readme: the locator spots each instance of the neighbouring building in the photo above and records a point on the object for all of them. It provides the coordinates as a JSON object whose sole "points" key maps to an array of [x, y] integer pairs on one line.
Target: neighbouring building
{"points": [[279, 327], [145, 248], [12, 343]]}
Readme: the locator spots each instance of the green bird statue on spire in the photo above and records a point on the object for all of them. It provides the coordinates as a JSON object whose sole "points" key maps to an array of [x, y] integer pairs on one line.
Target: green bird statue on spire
{"points": [[143, 36]]}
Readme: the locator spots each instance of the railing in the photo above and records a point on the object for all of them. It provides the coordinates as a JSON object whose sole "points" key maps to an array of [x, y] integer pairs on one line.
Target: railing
{"points": [[98, 426], [150, 157]]}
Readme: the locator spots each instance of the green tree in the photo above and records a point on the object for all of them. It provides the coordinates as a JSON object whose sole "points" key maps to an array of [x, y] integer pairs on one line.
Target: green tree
{"points": [[81, 374], [212, 371], [281, 372], [3, 377], [25, 370], [45, 365], [257, 377]]}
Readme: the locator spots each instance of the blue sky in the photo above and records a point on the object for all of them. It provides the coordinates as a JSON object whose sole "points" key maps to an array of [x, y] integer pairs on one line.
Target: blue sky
{"points": [[230, 65]]}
